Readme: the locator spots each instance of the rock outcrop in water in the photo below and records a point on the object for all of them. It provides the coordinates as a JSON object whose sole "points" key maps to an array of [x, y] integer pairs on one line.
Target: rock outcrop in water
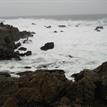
{"points": [[50, 88], [99, 28], [8, 36], [47, 46]]}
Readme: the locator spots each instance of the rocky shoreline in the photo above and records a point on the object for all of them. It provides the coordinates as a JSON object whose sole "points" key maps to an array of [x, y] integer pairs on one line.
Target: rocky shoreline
{"points": [[50, 88], [8, 36], [47, 88]]}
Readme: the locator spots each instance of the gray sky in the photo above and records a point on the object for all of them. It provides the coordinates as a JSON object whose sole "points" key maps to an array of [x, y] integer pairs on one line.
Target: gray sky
{"points": [[51, 7]]}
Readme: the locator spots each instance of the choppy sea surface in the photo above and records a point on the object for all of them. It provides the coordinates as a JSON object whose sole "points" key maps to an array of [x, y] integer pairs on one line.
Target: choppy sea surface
{"points": [[78, 39]]}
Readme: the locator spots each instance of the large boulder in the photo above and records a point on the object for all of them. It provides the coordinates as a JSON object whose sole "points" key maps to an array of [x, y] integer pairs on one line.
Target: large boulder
{"points": [[47, 46]]}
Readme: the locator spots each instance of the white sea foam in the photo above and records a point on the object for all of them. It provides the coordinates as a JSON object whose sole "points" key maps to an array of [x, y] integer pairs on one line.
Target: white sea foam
{"points": [[79, 39]]}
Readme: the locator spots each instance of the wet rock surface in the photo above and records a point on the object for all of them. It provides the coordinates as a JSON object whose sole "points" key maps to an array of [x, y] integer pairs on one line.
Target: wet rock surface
{"points": [[50, 88], [8, 36]]}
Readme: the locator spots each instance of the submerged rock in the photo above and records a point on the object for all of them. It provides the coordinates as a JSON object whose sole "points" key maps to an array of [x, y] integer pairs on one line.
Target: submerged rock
{"points": [[47, 46]]}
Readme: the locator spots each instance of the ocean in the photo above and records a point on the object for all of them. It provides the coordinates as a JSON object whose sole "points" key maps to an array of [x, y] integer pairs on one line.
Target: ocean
{"points": [[78, 39], [63, 17]]}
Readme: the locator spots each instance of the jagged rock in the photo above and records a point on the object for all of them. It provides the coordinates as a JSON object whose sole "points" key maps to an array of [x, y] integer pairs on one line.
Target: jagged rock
{"points": [[8, 36], [101, 69], [47, 46], [99, 28]]}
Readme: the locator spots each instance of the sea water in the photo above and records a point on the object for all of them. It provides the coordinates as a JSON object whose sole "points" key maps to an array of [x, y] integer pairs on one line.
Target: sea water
{"points": [[79, 39]]}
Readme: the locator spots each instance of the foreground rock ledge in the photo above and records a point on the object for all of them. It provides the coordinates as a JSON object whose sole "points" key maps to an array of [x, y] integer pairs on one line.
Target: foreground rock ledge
{"points": [[50, 88]]}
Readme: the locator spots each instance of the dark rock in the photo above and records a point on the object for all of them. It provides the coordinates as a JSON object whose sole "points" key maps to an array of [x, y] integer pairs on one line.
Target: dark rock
{"points": [[50, 88], [25, 73], [22, 49], [33, 32], [77, 25], [48, 26], [33, 24], [62, 26], [10, 102], [22, 54], [99, 28], [61, 31], [85, 73], [101, 69], [47, 46], [55, 31], [17, 55], [17, 45], [102, 86], [27, 41], [27, 67], [5, 74], [28, 53], [8, 36], [70, 56]]}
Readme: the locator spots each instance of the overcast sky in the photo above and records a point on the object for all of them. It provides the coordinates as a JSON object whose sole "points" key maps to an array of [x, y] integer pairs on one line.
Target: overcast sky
{"points": [[51, 7]]}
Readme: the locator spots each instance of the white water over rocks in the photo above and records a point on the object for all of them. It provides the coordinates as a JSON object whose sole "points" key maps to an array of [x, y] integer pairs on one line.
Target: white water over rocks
{"points": [[78, 39]]}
